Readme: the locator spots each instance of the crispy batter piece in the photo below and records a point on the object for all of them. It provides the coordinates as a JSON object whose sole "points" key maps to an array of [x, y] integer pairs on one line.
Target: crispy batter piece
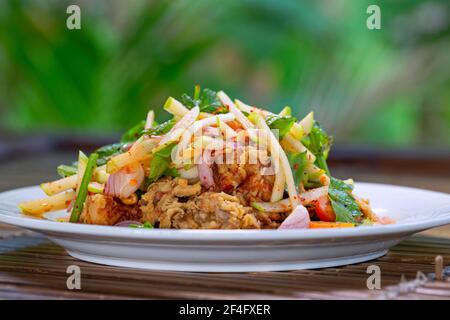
{"points": [[244, 178], [106, 210], [173, 203]]}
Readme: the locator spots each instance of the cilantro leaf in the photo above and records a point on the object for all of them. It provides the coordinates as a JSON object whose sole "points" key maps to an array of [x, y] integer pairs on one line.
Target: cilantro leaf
{"points": [[342, 201], [133, 133], [160, 163], [160, 128], [172, 172], [205, 99], [281, 123], [319, 143], [108, 151], [104, 153]]}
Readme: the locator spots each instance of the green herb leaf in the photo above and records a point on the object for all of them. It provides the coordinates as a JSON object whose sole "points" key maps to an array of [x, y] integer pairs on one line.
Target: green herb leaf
{"points": [[105, 152], [145, 225], [341, 212], [205, 99], [171, 172], [166, 152], [281, 123], [160, 163], [304, 171], [66, 171], [133, 133], [319, 143], [160, 128], [342, 201], [158, 166]]}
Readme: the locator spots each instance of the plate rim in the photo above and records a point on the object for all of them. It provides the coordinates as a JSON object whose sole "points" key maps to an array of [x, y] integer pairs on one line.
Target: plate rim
{"points": [[176, 235]]}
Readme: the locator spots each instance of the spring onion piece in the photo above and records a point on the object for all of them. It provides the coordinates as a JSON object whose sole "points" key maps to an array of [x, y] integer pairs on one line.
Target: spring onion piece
{"points": [[83, 188], [82, 161], [175, 107]]}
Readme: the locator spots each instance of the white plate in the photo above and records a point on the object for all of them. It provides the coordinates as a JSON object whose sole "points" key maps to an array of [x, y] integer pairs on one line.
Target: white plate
{"points": [[242, 250]]}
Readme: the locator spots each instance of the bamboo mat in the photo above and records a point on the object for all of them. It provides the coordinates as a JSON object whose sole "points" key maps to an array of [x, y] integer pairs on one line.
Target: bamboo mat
{"points": [[31, 267]]}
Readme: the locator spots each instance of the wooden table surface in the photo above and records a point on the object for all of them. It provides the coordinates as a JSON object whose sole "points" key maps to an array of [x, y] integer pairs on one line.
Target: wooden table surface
{"points": [[31, 267]]}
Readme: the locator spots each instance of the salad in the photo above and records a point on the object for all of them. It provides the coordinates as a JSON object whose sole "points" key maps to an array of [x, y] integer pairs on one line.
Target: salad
{"points": [[216, 164]]}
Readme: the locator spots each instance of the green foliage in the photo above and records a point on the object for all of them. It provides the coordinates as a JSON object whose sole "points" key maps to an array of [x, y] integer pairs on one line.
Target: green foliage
{"points": [[160, 163], [145, 225], [281, 123], [319, 143], [66, 171], [310, 55], [161, 128], [205, 99], [342, 201], [133, 133], [105, 152], [304, 172]]}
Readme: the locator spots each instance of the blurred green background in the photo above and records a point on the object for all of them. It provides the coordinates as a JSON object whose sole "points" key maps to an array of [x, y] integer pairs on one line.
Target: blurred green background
{"points": [[387, 87]]}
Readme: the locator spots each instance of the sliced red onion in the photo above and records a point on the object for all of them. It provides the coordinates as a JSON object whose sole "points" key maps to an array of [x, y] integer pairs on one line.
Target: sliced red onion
{"points": [[125, 181], [298, 219], [313, 195], [127, 223], [205, 171]]}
